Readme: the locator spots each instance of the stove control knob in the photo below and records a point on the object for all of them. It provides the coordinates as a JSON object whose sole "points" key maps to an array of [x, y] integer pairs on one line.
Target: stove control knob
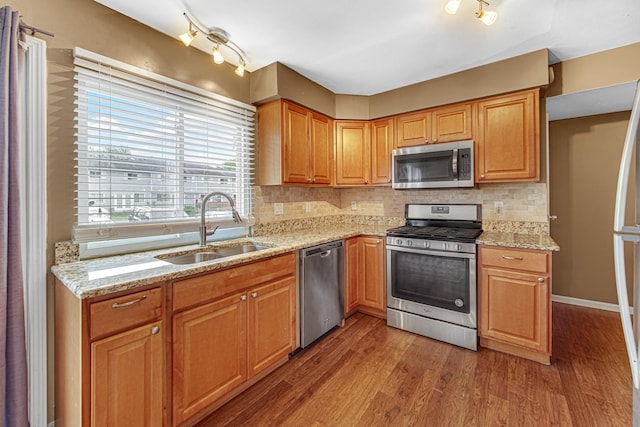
{"points": [[427, 244], [399, 242], [409, 243], [459, 247]]}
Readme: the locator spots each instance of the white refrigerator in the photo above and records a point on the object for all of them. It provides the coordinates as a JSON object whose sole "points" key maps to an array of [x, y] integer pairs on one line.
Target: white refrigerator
{"points": [[629, 233]]}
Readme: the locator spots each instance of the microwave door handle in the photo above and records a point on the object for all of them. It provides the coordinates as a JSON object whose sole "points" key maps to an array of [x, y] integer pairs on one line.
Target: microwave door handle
{"points": [[454, 162]]}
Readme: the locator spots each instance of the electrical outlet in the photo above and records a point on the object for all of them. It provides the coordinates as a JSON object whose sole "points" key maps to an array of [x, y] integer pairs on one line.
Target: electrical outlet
{"points": [[308, 207], [278, 208], [354, 205], [498, 207]]}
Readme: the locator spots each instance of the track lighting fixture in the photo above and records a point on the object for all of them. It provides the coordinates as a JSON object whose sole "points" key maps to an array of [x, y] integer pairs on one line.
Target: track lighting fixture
{"points": [[218, 37], [487, 17], [188, 37]]}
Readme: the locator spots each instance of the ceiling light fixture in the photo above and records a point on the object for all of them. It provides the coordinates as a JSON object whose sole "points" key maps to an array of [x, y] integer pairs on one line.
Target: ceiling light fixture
{"points": [[188, 37], [218, 37], [487, 17]]}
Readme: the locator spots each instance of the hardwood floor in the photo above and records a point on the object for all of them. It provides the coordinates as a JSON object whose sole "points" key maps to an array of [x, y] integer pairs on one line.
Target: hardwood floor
{"points": [[368, 374]]}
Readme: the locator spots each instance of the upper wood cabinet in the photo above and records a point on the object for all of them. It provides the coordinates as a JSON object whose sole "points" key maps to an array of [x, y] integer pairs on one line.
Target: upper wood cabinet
{"points": [[508, 138], [413, 129], [451, 123], [381, 147], [363, 152], [295, 145], [352, 152]]}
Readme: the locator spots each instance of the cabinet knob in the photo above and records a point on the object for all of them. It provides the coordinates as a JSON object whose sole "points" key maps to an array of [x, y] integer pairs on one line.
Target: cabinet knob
{"points": [[426, 141], [366, 181], [435, 139], [243, 298], [155, 330], [314, 180], [541, 279], [482, 176], [254, 295], [308, 180], [378, 242]]}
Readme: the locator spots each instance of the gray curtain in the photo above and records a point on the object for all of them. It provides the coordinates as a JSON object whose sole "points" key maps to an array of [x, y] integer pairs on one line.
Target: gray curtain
{"points": [[13, 358]]}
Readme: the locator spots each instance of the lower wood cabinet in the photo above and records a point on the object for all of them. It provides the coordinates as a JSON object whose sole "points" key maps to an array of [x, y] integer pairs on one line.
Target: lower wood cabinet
{"points": [[220, 346], [515, 301], [365, 288], [110, 359], [127, 374]]}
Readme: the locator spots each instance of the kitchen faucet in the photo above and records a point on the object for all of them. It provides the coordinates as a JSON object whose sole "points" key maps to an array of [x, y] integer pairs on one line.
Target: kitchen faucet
{"points": [[203, 227]]}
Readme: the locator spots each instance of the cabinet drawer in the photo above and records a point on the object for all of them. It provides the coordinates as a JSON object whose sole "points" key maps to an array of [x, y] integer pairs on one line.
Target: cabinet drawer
{"points": [[200, 289], [126, 311], [537, 261]]}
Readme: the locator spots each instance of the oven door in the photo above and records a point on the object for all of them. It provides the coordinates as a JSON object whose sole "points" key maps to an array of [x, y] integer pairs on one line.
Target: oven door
{"points": [[434, 284]]}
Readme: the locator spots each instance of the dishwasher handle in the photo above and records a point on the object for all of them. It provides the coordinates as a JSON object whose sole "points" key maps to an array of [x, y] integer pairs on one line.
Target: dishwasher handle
{"points": [[323, 250]]}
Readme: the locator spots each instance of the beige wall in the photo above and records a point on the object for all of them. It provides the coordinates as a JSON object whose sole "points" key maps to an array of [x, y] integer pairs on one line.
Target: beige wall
{"points": [[87, 24], [600, 69], [585, 157]]}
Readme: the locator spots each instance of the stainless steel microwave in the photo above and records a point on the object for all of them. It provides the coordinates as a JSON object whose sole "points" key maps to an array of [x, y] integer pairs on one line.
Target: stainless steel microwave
{"points": [[444, 165]]}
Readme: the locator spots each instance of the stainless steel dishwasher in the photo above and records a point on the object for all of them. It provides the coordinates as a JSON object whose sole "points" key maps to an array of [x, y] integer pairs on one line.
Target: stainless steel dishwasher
{"points": [[321, 290]]}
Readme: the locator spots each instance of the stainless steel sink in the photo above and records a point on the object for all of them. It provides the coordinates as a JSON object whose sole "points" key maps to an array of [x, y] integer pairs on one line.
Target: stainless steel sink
{"points": [[210, 254]]}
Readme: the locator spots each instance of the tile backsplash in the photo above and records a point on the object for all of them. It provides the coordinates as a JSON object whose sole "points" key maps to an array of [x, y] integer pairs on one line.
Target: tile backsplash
{"points": [[520, 201]]}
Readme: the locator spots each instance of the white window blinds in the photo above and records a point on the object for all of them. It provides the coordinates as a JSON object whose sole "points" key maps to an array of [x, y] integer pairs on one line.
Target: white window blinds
{"points": [[150, 148]]}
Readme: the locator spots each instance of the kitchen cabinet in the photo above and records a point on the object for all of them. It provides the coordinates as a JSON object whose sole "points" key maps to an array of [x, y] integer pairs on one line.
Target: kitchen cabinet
{"points": [[444, 124], [508, 138], [352, 152], [365, 287], [381, 147], [515, 301], [110, 359], [295, 145], [240, 321], [363, 152]]}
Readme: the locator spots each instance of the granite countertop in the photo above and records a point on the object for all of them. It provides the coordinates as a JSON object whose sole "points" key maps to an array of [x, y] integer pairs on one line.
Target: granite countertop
{"points": [[518, 240], [101, 276]]}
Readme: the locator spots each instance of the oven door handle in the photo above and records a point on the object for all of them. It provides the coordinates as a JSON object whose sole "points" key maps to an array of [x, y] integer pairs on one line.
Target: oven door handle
{"points": [[454, 162], [430, 252]]}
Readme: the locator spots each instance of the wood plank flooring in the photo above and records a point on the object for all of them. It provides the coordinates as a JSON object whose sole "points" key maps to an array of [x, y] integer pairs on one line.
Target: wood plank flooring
{"points": [[368, 374]]}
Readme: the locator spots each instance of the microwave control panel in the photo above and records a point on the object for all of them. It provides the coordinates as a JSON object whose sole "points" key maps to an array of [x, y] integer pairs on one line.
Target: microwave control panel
{"points": [[464, 164]]}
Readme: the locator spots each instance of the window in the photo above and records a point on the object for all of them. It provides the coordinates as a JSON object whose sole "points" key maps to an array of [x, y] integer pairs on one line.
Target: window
{"points": [[151, 148]]}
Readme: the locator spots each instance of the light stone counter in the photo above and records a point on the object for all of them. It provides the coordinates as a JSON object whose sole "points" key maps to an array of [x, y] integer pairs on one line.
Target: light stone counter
{"points": [[102, 276], [518, 240]]}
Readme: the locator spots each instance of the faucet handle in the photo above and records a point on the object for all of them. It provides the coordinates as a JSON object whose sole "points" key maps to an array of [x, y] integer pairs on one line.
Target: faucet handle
{"points": [[211, 232]]}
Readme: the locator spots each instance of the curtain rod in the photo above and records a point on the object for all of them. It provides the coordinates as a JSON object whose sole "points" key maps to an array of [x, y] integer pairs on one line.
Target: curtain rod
{"points": [[34, 30]]}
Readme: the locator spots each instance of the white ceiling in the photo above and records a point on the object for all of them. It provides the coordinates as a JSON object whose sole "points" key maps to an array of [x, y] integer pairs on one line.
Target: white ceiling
{"points": [[366, 47]]}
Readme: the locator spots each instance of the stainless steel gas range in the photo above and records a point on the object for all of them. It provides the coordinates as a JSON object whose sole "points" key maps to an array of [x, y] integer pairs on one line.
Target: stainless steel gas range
{"points": [[431, 273]]}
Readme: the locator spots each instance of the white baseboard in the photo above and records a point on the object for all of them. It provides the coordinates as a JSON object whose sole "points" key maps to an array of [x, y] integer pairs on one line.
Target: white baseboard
{"points": [[587, 303]]}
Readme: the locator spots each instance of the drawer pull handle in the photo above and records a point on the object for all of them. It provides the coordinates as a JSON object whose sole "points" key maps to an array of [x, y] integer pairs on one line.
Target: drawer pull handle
{"points": [[128, 303], [512, 258]]}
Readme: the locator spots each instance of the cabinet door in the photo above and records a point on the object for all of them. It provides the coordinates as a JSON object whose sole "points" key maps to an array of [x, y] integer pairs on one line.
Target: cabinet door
{"points": [[352, 273], [352, 153], [209, 354], [127, 373], [272, 324], [372, 289], [296, 154], [508, 140], [514, 308], [451, 123], [381, 146], [321, 146], [413, 129]]}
